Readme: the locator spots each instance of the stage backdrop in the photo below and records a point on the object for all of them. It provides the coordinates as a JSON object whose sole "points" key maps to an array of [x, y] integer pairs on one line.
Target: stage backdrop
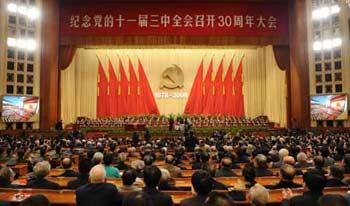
{"points": [[171, 73]]}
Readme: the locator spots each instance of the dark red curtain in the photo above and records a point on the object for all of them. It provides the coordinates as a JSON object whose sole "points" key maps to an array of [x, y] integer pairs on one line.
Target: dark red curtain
{"points": [[66, 55]]}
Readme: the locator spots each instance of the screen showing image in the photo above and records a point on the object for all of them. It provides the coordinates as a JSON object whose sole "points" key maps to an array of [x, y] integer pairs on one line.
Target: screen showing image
{"points": [[329, 107], [20, 109]]}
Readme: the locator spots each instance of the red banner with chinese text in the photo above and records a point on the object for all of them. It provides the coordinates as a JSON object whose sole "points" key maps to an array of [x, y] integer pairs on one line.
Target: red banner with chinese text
{"points": [[225, 19]]}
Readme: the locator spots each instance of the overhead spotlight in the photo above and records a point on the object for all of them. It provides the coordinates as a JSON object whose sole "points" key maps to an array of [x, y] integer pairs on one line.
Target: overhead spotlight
{"points": [[30, 44], [317, 46], [21, 43], [335, 9], [11, 42], [324, 12], [327, 44], [11, 7], [33, 13], [336, 42]]}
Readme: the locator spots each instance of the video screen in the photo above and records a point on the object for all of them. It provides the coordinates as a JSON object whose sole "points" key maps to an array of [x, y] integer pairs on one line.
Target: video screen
{"points": [[329, 107], [20, 109]]}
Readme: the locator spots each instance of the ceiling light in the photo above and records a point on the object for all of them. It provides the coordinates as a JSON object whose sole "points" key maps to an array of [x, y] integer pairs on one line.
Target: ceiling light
{"points": [[335, 9], [317, 46], [11, 42], [327, 44], [11, 7]]}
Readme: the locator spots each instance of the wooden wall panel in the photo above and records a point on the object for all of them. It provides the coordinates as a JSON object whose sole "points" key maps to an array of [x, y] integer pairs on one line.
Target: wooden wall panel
{"points": [[299, 67], [49, 74]]}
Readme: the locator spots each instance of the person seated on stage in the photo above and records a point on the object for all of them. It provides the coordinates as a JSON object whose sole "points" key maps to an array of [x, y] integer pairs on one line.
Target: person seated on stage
{"points": [[36, 200], [166, 183], [174, 171], [258, 195], [302, 161], [138, 165], [151, 177], [129, 178], [202, 185], [122, 157], [287, 173], [346, 163], [137, 199], [97, 158], [40, 171], [225, 168], [67, 166], [335, 177], [319, 164], [7, 175], [98, 192], [314, 185], [83, 177], [333, 199], [281, 154], [219, 199], [111, 171], [261, 166]]}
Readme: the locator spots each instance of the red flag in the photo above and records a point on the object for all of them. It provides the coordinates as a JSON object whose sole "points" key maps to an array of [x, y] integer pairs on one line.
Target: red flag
{"points": [[208, 90], [123, 91], [218, 90], [113, 90], [146, 92], [238, 85], [102, 94], [194, 102], [228, 91], [133, 107]]}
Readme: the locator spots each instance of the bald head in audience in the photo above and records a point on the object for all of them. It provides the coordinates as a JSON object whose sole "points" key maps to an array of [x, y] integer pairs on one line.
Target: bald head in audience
{"points": [[258, 195], [97, 174]]}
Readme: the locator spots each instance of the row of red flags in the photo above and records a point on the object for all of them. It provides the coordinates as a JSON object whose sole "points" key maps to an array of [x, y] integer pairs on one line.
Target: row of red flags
{"points": [[123, 96], [223, 96]]}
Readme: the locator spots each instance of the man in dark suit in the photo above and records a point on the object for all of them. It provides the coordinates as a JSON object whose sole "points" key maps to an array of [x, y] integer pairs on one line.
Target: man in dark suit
{"points": [[202, 184], [287, 173], [335, 177], [98, 192], [346, 163], [261, 166], [40, 171], [67, 166], [315, 184], [225, 170], [151, 177], [83, 177]]}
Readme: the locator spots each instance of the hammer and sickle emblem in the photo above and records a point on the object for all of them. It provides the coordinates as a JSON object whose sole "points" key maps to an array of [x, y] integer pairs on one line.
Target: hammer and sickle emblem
{"points": [[172, 78]]}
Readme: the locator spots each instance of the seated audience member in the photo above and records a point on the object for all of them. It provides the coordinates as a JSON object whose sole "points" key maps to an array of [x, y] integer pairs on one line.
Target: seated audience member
{"points": [[151, 177], [83, 177], [137, 199], [97, 158], [335, 177], [128, 178], [202, 185], [7, 175], [287, 173], [110, 170], [138, 165], [122, 157], [258, 195], [281, 154], [328, 161], [302, 161], [98, 192], [174, 171], [346, 163], [196, 164], [291, 161], [314, 183], [40, 171], [319, 164], [216, 184], [225, 168], [332, 200], [67, 166], [261, 166], [148, 159], [36, 200], [166, 183], [219, 199], [248, 174]]}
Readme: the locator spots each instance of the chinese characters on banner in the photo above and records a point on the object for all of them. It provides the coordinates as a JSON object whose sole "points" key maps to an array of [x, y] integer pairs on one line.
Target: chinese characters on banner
{"points": [[237, 19]]}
